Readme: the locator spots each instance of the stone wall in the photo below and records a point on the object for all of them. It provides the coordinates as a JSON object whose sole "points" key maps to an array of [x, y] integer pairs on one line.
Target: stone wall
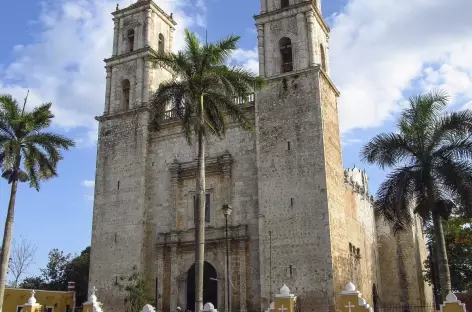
{"points": [[402, 257], [117, 230], [170, 195], [293, 208], [351, 218]]}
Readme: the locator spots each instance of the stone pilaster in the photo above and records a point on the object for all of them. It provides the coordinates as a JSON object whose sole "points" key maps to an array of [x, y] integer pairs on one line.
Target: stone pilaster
{"points": [[263, 6], [310, 17], [138, 97], [242, 276], [171, 39], [260, 45], [174, 271], [116, 35], [226, 162], [174, 172], [147, 27], [146, 86], [160, 278], [304, 59], [108, 89], [119, 43]]}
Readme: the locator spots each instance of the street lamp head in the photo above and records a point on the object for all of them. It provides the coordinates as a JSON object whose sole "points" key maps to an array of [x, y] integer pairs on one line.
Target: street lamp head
{"points": [[227, 210]]}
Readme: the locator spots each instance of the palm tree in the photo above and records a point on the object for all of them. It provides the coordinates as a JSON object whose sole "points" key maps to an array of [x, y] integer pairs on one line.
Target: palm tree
{"points": [[430, 154], [27, 153], [202, 95]]}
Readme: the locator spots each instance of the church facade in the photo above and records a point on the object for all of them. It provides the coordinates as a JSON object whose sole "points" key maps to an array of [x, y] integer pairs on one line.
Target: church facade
{"points": [[299, 218]]}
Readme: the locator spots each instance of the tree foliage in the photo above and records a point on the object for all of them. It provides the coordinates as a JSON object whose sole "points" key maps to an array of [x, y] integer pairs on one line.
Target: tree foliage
{"points": [[61, 269], [138, 291], [458, 237], [202, 94], [28, 153], [430, 156]]}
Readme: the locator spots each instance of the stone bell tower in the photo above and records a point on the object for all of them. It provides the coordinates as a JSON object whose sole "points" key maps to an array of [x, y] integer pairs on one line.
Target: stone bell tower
{"points": [[300, 170], [120, 228]]}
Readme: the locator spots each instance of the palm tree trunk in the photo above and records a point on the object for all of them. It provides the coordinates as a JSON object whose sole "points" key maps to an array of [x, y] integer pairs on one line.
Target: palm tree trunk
{"points": [[441, 257], [5, 255], [200, 217]]}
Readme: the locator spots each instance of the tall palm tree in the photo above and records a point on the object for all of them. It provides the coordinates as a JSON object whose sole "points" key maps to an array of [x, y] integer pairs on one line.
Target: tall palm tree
{"points": [[27, 153], [430, 155], [202, 94]]}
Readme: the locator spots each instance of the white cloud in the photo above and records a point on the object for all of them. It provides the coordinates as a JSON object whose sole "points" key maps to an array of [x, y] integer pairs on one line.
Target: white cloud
{"points": [[88, 183], [65, 63], [378, 51], [381, 49], [246, 58]]}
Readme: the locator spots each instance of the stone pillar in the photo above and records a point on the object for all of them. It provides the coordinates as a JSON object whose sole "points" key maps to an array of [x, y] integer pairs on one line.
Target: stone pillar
{"points": [[226, 161], [174, 271], [108, 90], [263, 6], [31, 305], [148, 25], [242, 275], [351, 300], [269, 57], [285, 301], [452, 304], [116, 31], [310, 17], [160, 278], [171, 39], [139, 86], [174, 173], [92, 305], [327, 55], [146, 86], [260, 44], [303, 55]]}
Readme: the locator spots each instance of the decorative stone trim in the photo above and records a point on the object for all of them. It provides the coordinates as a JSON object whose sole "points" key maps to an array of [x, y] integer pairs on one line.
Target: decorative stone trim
{"points": [[242, 276], [142, 6], [216, 165], [160, 277], [174, 272], [452, 304], [139, 109], [212, 235]]}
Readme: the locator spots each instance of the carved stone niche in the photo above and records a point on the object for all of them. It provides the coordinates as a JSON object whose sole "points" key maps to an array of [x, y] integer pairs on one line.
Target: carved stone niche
{"points": [[220, 165], [213, 165]]}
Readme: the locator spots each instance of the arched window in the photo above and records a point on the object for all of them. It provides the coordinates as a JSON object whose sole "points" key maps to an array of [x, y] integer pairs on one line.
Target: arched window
{"points": [[125, 90], [284, 3], [323, 57], [130, 37], [285, 45], [161, 43]]}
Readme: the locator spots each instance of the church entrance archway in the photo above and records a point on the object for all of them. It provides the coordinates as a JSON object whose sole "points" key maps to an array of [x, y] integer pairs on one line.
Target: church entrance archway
{"points": [[210, 286]]}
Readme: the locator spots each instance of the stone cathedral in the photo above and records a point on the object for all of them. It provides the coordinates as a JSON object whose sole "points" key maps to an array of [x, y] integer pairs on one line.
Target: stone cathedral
{"points": [[299, 218]]}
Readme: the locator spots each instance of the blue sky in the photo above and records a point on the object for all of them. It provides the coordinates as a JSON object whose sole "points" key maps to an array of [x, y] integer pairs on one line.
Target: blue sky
{"points": [[380, 53]]}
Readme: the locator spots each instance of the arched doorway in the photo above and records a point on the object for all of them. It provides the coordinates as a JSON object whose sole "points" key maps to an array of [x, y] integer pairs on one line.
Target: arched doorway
{"points": [[210, 286]]}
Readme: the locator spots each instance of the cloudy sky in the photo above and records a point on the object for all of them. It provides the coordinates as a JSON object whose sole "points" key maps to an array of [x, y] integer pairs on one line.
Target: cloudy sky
{"points": [[381, 52]]}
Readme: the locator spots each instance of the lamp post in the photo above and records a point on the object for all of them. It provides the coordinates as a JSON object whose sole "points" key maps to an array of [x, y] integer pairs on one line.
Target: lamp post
{"points": [[227, 211]]}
